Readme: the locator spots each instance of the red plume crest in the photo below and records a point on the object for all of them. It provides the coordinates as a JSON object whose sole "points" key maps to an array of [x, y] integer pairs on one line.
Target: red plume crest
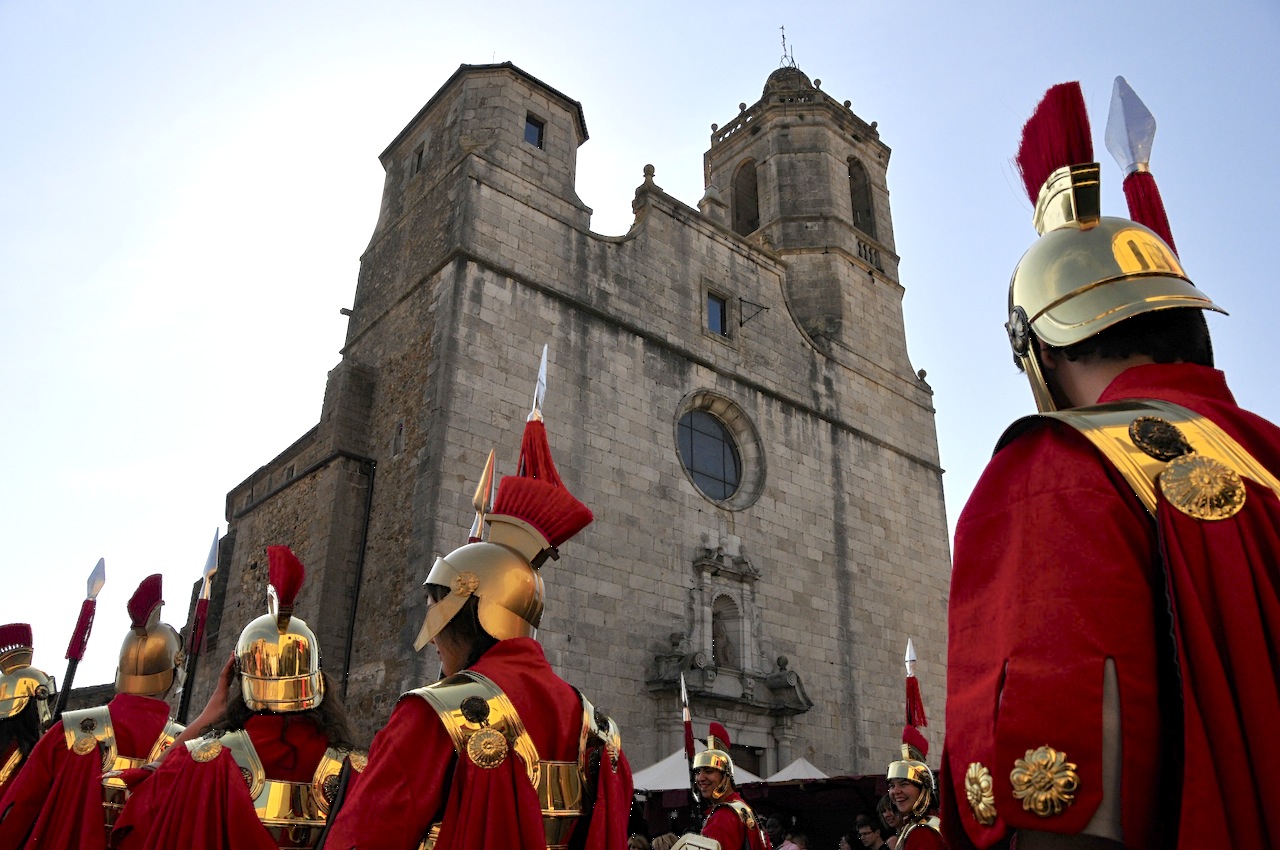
{"points": [[721, 735], [15, 635], [285, 572], [537, 495], [1056, 134], [146, 600]]}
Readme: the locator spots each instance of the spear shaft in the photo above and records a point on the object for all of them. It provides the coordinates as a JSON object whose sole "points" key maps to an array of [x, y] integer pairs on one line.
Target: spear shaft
{"points": [[80, 634], [196, 636]]}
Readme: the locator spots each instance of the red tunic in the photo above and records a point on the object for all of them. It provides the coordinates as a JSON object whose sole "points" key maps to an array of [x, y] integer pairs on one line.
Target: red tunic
{"points": [[1058, 568], [206, 805], [725, 825], [56, 801], [414, 780]]}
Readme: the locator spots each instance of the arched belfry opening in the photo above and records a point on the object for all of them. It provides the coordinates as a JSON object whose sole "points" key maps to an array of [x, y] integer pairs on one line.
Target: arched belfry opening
{"points": [[860, 196], [746, 199]]}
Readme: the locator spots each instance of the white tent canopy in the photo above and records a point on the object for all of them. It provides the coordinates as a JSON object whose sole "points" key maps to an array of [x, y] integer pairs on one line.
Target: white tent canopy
{"points": [[672, 773], [798, 769]]}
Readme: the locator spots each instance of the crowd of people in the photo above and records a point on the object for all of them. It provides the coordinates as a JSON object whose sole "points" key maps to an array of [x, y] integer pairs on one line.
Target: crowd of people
{"points": [[1120, 556]]}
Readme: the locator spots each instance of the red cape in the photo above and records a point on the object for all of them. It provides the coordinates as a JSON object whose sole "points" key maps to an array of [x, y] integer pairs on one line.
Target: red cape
{"points": [[1057, 568], [206, 805], [413, 778], [56, 800]]}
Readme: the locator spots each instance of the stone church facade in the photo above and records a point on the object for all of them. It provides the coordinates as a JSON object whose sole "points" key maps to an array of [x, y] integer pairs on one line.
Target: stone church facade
{"points": [[729, 391]]}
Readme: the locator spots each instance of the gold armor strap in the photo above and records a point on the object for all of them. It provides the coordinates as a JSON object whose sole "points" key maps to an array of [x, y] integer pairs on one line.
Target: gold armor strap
{"points": [[10, 766], [1107, 426], [741, 809], [293, 812], [468, 704]]}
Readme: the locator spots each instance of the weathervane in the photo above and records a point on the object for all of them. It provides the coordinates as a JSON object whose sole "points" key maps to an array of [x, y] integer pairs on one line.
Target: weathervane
{"points": [[788, 57]]}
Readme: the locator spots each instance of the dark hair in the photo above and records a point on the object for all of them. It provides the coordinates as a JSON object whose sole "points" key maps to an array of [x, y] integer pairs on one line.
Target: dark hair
{"points": [[330, 717], [465, 626], [1166, 336], [22, 731]]}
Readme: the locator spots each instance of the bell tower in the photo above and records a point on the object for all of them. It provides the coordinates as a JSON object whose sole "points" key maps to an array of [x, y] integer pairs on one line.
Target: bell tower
{"points": [[804, 177]]}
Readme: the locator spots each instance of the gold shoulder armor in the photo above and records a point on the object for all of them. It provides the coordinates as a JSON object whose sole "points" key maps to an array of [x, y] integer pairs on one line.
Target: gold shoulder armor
{"points": [[90, 729], [211, 746], [10, 766], [481, 721], [324, 783], [1197, 466], [598, 730], [172, 729]]}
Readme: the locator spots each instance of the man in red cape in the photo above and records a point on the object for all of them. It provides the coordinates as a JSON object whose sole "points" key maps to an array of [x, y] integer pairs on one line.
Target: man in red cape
{"points": [[730, 820], [461, 763], [60, 800], [1113, 664], [266, 774]]}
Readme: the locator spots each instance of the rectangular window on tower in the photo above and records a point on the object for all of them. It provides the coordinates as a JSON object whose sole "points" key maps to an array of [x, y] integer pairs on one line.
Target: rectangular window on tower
{"points": [[533, 131], [717, 314]]}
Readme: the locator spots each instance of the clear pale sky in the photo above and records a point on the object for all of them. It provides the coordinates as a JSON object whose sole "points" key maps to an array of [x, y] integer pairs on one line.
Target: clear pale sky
{"points": [[186, 189]]}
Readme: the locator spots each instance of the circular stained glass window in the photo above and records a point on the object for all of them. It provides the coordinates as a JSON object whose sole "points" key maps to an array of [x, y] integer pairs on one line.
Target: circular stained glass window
{"points": [[710, 454]]}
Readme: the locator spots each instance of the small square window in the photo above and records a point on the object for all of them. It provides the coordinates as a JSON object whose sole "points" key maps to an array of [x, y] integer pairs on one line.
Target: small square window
{"points": [[533, 131], [717, 315]]}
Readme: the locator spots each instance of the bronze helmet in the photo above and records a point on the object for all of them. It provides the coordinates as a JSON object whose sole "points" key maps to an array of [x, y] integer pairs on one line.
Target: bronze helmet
{"points": [[19, 681], [912, 768], [533, 513], [1087, 271], [278, 656], [716, 756], [151, 655]]}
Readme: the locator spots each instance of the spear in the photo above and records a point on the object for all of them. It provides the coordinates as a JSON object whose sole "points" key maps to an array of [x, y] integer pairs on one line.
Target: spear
{"points": [[1131, 128], [915, 718], [688, 737], [483, 500], [196, 636], [80, 636]]}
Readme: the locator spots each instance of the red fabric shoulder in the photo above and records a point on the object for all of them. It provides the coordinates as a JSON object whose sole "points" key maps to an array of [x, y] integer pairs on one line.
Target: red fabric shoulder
{"points": [[192, 805]]}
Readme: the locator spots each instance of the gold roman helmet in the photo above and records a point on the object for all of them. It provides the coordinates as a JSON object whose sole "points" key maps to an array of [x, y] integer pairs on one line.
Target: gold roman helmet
{"points": [[1086, 272], [19, 681], [912, 768], [716, 756], [151, 656], [278, 655], [533, 514]]}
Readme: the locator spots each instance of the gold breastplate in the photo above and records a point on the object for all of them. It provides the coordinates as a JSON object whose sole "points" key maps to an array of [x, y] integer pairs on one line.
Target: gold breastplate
{"points": [[485, 727], [293, 812], [91, 729]]}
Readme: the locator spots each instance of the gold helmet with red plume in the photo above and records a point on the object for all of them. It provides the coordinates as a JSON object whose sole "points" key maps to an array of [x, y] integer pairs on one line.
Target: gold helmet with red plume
{"points": [[1087, 272], [532, 515], [151, 655], [716, 756], [278, 655], [19, 681]]}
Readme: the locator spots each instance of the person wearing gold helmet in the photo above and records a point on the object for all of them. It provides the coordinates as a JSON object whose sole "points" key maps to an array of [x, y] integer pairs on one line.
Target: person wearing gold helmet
{"points": [[915, 798], [1112, 677], [265, 773], [501, 752], [26, 700], [46, 806], [728, 822]]}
